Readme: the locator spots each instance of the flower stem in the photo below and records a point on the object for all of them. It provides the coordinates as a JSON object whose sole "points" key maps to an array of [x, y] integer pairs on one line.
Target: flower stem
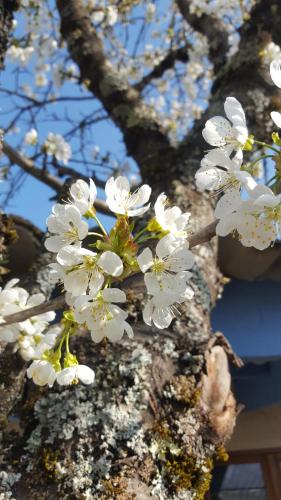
{"points": [[100, 225], [92, 233], [264, 144], [139, 233], [262, 157], [146, 238]]}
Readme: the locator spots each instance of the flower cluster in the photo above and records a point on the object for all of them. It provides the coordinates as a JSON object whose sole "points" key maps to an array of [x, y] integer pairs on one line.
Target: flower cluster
{"points": [[56, 146], [91, 265], [249, 208], [27, 335]]}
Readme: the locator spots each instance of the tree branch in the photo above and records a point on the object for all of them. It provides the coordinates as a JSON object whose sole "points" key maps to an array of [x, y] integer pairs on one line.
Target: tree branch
{"points": [[179, 54], [144, 136], [50, 305], [202, 236], [28, 166], [212, 28], [43, 176]]}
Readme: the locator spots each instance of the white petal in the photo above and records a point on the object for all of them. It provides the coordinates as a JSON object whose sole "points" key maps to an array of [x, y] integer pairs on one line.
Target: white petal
{"points": [[216, 130], [218, 157], [151, 283], [85, 374], [147, 312], [95, 283], [111, 263], [275, 72], [134, 212], [276, 118], [210, 178], [140, 196], [9, 333], [225, 226], [259, 190], [55, 243], [128, 330], [162, 317], [246, 180], [76, 282], [83, 229], [227, 204], [35, 300], [69, 255], [122, 185], [159, 206], [66, 376], [167, 245], [267, 200], [234, 112], [110, 187], [145, 259], [113, 295], [180, 260], [11, 283]]}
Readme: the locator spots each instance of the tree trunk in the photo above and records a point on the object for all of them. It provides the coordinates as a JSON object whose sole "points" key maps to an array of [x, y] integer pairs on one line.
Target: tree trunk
{"points": [[161, 408]]}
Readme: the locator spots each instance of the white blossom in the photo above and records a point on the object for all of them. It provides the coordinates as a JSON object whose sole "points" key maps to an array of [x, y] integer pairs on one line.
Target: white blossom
{"points": [[257, 220], [220, 173], [41, 79], [66, 224], [14, 299], [42, 373], [121, 201], [20, 55], [33, 346], [73, 373], [275, 73], [103, 316], [31, 137], [57, 146], [161, 308], [83, 195], [150, 11], [230, 135], [111, 15], [165, 269], [84, 270], [171, 219]]}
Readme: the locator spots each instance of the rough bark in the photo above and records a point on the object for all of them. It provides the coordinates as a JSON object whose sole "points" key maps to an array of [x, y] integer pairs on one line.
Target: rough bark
{"points": [[159, 412], [7, 7]]}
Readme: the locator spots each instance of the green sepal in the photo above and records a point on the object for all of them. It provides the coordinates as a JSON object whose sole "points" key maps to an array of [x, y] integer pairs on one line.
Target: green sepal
{"points": [[276, 139], [69, 315], [91, 213], [70, 360], [154, 226], [248, 146]]}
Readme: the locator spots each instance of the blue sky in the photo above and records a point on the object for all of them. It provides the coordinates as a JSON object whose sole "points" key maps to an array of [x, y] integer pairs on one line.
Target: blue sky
{"points": [[33, 200]]}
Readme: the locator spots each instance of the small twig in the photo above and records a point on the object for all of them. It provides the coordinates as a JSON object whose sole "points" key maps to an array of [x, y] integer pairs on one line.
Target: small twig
{"points": [[51, 305], [203, 235], [43, 175]]}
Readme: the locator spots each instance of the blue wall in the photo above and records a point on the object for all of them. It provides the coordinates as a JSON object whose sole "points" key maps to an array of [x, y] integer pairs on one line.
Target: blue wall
{"points": [[249, 315]]}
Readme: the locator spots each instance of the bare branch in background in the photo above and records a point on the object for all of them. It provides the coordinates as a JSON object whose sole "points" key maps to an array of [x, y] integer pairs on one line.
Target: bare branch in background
{"points": [[44, 176], [143, 134], [179, 54], [212, 28]]}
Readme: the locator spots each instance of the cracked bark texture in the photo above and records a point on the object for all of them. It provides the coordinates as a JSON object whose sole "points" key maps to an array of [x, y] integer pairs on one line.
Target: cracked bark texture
{"points": [[7, 7], [156, 418]]}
